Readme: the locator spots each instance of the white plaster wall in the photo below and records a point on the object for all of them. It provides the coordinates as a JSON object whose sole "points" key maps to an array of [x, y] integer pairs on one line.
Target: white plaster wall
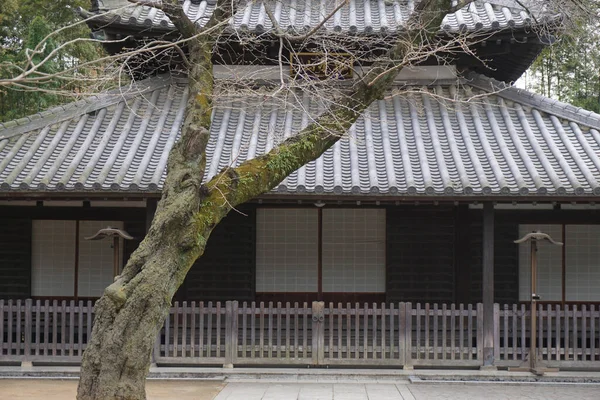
{"points": [[53, 258], [354, 250], [286, 250], [582, 266]]}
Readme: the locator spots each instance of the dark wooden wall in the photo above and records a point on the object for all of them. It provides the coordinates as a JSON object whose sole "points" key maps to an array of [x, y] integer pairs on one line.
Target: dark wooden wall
{"points": [[227, 269], [420, 254], [15, 258], [16, 235], [433, 253]]}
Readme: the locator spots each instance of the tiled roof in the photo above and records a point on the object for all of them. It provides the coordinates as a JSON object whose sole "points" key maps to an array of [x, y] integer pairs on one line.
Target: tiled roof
{"points": [[504, 142], [357, 16]]}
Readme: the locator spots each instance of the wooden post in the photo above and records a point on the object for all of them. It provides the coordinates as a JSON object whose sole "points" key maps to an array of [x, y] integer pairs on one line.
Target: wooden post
{"points": [[27, 338], [228, 335], [488, 285], [405, 335], [318, 339], [234, 332], [533, 352]]}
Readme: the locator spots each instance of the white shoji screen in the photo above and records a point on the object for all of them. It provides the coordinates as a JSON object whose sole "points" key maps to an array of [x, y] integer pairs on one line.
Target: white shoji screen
{"points": [[286, 250], [549, 277], [582, 267], [354, 250], [53, 258], [96, 258]]}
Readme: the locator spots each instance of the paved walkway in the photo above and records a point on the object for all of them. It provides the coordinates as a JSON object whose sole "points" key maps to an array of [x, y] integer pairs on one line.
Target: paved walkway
{"points": [[385, 391], [47, 389]]}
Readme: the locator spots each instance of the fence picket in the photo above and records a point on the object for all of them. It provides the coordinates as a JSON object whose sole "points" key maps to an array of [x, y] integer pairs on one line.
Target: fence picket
{"points": [[2, 342], [261, 332], [253, 329], [90, 315], [10, 328], [583, 333], [356, 332], [383, 332], [296, 329], [193, 315], [80, 329], [18, 335], [287, 330], [244, 327], [479, 316], [218, 330], [435, 330], [592, 332], [548, 332], [38, 322], [184, 318], [453, 331], [278, 314], [305, 328]]}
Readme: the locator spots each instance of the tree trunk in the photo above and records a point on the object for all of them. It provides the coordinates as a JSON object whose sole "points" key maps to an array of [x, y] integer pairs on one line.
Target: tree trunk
{"points": [[132, 310]]}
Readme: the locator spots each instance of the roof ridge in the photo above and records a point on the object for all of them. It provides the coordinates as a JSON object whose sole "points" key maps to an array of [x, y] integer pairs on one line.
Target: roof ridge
{"points": [[546, 104], [93, 103]]}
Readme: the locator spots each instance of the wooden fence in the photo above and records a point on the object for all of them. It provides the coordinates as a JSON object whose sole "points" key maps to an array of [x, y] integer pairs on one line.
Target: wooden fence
{"points": [[44, 331], [235, 333], [567, 336]]}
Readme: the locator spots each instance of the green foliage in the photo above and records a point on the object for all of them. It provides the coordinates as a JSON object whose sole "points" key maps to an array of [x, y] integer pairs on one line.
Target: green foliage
{"points": [[23, 25], [570, 70]]}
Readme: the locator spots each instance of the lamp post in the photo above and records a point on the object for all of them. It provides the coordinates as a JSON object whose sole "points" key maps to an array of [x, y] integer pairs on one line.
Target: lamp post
{"points": [[116, 234], [533, 238]]}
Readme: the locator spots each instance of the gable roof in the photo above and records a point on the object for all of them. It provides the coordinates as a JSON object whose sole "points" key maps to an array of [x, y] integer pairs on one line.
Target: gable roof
{"points": [[355, 17], [504, 142]]}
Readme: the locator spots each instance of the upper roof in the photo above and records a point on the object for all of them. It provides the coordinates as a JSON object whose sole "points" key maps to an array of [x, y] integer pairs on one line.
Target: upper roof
{"points": [[503, 142], [356, 16]]}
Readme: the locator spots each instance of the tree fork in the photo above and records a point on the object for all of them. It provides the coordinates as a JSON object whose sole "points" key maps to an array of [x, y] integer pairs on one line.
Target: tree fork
{"points": [[131, 312]]}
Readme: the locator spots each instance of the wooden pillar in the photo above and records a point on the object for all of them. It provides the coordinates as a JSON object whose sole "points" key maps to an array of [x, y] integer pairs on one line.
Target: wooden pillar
{"points": [[150, 210], [488, 285]]}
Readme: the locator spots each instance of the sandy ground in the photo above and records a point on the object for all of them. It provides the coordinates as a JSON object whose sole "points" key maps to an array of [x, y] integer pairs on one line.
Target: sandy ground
{"points": [[16, 389], [47, 389]]}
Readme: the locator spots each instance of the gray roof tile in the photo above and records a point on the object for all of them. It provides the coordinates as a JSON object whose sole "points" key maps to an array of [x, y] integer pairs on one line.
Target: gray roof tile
{"points": [[358, 16], [507, 143]]}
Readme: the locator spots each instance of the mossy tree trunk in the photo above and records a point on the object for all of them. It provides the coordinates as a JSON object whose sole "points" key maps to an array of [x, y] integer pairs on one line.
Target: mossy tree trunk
{"points": [[132, 310]]}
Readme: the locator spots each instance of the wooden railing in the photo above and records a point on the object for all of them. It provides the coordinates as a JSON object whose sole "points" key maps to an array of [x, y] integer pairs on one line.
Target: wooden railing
{"points": [[445, 335], [567, 336], [232, 333], [41, 331]]}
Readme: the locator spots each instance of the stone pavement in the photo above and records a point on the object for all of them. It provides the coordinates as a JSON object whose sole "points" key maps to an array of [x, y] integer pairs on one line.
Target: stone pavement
{"points": [[191, 389], [420, 391]]}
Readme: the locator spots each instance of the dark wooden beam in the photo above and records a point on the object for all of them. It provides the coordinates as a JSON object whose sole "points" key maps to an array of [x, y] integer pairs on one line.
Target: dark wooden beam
{"points": [[488, 284], [73, 213]]}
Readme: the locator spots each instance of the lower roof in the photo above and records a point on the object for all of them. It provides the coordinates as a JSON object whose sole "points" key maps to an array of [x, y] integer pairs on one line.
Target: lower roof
{"points": [[494, 141]]}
